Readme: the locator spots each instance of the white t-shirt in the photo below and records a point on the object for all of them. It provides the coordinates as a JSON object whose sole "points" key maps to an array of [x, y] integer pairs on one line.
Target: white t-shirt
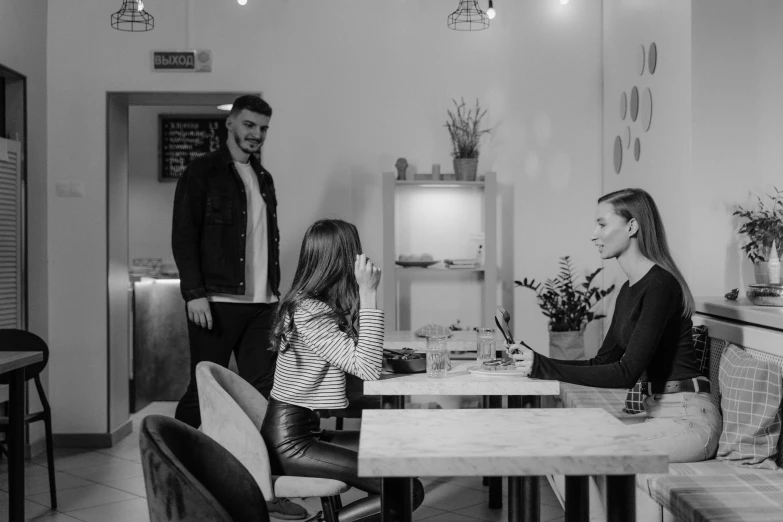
{"points": [[256, 245]]}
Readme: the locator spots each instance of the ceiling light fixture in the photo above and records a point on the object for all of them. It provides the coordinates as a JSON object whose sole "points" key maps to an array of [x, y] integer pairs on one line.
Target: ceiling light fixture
{"points": [[242, 2], [491, 11], [468, 17], [225, 106], [132, 17]]}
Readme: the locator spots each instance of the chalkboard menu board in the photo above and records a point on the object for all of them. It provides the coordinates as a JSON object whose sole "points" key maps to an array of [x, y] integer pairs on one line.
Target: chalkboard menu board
{"points": [[185, 137]]}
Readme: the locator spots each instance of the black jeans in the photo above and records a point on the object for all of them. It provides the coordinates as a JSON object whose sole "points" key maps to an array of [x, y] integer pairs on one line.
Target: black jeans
{"points": [[240, 328], [299, 447]]}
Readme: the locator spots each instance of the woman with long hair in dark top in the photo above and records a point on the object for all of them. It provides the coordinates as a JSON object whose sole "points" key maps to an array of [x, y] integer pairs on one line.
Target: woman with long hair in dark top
{"points": [[650, 334], [326, 325]]}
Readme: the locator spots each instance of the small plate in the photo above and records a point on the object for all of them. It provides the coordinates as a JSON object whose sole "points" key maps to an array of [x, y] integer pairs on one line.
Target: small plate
{"points": [[421, 264], [477, 370]]}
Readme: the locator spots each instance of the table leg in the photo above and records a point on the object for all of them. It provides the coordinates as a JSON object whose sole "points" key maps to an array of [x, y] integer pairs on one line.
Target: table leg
{"points": [[531, 401], [16, 445], [495, 483], [396, 499], [395, 402], [524, 499], [620, 498], [577, 498]]}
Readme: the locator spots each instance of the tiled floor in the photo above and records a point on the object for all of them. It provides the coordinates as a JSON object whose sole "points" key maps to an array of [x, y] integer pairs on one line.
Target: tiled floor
{"points": [[108, 486]]}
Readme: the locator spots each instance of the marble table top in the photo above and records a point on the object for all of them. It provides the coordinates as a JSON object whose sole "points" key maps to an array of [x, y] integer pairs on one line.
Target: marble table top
{"points": [[502, 442], [15, 360], [459, 381]]}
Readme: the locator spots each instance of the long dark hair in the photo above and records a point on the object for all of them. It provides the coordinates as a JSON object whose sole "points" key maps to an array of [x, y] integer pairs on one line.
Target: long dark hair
{"points": [[325, 273], [634, 203]]}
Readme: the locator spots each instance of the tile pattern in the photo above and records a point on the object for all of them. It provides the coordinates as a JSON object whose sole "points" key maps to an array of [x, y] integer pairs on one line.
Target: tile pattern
{"points": [[107, 485]]}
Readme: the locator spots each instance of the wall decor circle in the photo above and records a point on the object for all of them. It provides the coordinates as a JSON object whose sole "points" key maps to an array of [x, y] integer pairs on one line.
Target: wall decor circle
{"points": [[634, 103], [652, 61], [623, 105], [645, 112], [627, 137], [637, 149], [640, 57], [618, 154]]}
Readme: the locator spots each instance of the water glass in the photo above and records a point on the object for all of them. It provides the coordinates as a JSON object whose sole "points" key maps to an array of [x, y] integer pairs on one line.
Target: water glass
{"points": [[485, 344], [437, 357]]}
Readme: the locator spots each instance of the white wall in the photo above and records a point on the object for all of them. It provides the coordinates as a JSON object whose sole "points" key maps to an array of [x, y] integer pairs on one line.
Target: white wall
{"points": [[737, 133], [664, 166], [354, 85], [552, 149], [151, 202], [23, 26]]}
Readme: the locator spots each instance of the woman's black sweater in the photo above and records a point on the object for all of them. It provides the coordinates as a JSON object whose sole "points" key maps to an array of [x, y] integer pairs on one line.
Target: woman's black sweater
{"points": [[648, 337]]}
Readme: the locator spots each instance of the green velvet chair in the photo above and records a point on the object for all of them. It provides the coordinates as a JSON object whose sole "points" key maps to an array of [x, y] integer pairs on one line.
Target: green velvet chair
{"points": [[232, 412], [190, 477]]}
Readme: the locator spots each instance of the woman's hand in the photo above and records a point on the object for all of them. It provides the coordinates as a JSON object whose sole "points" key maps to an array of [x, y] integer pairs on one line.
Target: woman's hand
{"points": [[523, 358], [368, 276]]}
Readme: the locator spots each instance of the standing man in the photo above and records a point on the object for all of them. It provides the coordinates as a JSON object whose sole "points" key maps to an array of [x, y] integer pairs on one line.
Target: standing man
{"points": [[226, 244]]}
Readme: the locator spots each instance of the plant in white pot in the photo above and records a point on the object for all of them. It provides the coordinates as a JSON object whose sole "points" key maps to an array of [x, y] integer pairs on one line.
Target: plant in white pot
{"points": [[764, 224], [569, 308], [465, 130]]}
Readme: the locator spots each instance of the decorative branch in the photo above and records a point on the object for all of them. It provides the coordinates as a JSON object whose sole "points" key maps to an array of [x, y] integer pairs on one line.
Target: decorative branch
{"points": [[465, 130]]}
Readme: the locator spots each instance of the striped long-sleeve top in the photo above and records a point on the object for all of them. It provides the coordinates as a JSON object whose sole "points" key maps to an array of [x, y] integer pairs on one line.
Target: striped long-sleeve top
{"points": [[311, 371]]}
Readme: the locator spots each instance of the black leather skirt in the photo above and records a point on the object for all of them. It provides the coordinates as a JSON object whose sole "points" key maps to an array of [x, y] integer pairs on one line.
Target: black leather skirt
{"points": [[299, 447]]}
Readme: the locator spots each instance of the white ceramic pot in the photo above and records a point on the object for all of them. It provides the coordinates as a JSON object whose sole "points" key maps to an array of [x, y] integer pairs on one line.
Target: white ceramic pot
{"points": [[567, 345], [761, 273]]}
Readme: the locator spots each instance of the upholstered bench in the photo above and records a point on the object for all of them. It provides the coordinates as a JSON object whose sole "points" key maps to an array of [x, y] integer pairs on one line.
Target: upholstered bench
{"points": [[702, 491]]}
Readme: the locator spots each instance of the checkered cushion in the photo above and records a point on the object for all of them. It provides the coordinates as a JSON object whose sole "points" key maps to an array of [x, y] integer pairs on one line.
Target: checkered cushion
{"points": [[747, 497], [634, 401], [750, 399]]}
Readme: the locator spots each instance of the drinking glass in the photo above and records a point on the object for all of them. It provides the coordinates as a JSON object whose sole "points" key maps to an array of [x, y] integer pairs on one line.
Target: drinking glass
{"points": [[485, 345], [437, 357]]}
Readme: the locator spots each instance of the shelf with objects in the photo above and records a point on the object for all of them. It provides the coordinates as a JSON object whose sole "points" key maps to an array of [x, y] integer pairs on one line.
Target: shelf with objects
{"points": [[439, 252]]}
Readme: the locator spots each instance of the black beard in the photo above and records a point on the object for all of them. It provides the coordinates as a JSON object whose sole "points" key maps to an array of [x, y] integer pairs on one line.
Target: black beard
{"points": [[238, 141]]}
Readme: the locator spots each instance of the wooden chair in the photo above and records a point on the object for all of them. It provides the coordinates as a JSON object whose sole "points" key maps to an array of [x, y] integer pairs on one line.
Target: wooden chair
{"points": [[12, 340]]}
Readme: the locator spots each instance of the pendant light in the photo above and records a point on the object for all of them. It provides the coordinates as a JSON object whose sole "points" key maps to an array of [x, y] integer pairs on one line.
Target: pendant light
{"points": [[491, 11], [468, 17], [132, 17]]}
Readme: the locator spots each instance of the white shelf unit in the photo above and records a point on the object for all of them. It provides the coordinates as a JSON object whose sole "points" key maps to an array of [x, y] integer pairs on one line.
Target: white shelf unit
{"points": [[487, 275]]}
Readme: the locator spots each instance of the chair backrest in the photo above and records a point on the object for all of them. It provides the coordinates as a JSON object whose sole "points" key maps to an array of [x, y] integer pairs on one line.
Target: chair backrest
{"points": [[13, 340], [190, 477], [232, 412]]}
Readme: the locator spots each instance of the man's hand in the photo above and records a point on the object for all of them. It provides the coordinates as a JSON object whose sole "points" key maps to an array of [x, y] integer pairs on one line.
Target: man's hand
{"points": [[199, 312], [523, 358]]}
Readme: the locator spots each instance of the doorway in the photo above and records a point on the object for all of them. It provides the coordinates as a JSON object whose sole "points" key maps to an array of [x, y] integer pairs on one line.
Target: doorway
{"points": [[148, 357]]}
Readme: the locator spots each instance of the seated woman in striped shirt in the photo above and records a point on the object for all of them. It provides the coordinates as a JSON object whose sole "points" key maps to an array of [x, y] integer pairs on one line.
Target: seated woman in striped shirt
{"points": [[326, 325]]}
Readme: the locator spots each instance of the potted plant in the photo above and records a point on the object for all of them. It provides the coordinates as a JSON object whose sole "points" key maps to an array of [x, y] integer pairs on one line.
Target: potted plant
{"points": [[764, 224], [569, 308], [465, 130]]}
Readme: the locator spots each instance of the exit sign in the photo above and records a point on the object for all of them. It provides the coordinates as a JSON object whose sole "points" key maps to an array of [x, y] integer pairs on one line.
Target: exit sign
{"points": [[193, 60]]}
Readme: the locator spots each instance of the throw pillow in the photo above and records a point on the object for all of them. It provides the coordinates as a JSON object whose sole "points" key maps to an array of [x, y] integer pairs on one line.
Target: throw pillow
{"points": [[634, 401], [750, 392]]}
